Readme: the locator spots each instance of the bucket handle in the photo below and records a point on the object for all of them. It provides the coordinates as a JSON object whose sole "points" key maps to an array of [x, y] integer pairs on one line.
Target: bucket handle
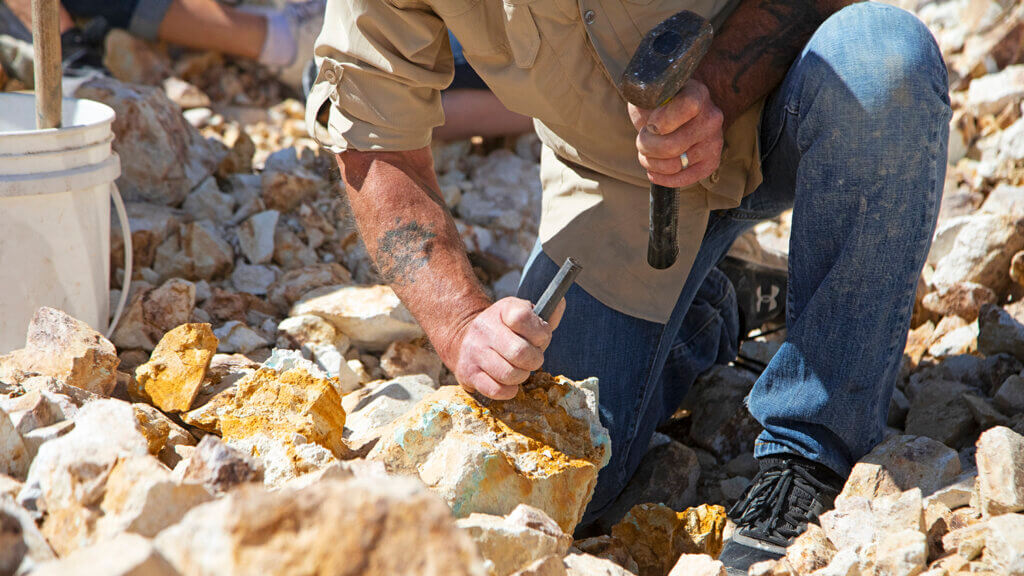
{"points": [[126, 235]]}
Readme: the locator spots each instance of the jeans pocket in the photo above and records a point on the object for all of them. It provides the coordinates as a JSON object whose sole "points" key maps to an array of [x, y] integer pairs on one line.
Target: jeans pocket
{"points": [[771, 127]]}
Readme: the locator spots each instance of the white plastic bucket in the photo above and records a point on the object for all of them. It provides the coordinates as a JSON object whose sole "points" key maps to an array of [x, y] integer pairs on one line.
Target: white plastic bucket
{"points": [[55, 190]]}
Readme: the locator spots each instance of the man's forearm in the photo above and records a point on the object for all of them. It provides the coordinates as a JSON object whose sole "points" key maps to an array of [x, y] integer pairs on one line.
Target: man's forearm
{"points": [[412, 239], [755, 47]]}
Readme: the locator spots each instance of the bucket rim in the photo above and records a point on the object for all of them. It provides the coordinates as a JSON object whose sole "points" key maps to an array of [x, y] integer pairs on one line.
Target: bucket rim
{"points": [[105, 115], [61, 181]]}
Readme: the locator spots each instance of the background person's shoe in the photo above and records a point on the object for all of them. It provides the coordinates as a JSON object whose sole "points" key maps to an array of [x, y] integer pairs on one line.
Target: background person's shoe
{"points": [[787, 494]]}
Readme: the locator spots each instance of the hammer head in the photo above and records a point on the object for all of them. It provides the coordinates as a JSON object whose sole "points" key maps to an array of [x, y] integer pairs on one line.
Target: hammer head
{"points": [[665, 59]]}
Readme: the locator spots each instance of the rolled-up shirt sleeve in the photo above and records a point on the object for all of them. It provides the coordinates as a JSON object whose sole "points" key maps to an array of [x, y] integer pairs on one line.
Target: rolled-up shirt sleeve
{"points": [[381, 66]]}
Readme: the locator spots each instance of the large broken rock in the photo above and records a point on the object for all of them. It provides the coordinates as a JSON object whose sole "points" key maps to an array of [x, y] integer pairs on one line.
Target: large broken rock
{"points": [[369, 527], [372, 316], [981, 253], [292, 421], [862, 523], [285, 404], [152, 313], [1000, 458], [543, 448], [67, 349], [656, 535], [67, 480], [175, 371], [162, 156], [512, 543], [124, 555], [369, 410], [901, 463], [140, 496]]}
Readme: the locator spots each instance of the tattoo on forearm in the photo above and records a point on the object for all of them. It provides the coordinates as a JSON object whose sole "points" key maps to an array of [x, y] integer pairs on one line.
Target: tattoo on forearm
{"points": [[403, 250], [796, 21]]}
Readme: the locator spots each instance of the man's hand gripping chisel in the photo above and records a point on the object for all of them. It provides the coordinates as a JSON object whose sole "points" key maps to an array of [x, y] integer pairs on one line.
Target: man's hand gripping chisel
{"points": [[662, 64], [548, 301]]}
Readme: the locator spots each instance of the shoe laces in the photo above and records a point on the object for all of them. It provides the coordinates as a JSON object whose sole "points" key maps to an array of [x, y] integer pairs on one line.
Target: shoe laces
{"points": [[769, 502]]}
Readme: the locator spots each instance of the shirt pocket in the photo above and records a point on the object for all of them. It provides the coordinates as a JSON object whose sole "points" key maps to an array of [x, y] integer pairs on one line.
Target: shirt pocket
{"points": [[506, 42]]}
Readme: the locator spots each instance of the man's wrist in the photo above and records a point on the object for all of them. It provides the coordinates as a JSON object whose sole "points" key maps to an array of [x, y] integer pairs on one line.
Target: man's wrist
{"points": [[445, 331]]}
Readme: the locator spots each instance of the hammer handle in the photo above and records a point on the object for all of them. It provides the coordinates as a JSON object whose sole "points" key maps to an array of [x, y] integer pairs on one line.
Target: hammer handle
{"points": [[662, 246], [46, 45]]}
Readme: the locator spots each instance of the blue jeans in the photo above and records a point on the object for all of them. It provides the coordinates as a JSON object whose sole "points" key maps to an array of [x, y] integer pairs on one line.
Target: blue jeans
{"points": [[854, 139]]}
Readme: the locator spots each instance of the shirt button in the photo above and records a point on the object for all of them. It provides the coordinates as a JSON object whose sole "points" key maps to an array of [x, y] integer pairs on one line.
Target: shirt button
{"points": [[330, 76], [589, 16], [714, 177]]}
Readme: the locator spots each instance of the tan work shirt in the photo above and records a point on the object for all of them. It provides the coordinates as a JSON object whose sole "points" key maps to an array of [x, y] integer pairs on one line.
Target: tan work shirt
{"points": [[383, 64]]}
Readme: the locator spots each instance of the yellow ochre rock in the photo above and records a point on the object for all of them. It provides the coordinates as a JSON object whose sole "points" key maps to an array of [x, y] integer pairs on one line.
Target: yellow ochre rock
{"points": [[656, 535], [278, 405], [543, 448], [175, 371]]}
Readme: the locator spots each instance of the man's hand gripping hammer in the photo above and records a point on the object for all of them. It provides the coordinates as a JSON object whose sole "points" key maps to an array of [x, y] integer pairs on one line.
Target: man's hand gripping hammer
{"points": [[662, 64]]}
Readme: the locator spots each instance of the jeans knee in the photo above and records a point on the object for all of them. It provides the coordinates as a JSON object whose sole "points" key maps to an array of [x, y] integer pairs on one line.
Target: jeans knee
{"points": [[883, 57]]}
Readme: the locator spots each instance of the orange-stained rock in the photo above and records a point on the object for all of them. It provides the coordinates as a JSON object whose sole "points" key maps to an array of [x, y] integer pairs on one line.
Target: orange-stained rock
{"points": [[162, 434], [656, 535], [279, 405], [542, 448], [175, 371]]}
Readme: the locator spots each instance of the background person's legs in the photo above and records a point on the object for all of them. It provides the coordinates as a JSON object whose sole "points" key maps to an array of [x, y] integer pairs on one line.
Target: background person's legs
{"points": [[270, 36], [471, 109]]}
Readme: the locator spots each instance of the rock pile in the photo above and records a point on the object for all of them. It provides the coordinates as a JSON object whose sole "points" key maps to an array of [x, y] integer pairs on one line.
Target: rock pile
{"points": [[268, 405]]}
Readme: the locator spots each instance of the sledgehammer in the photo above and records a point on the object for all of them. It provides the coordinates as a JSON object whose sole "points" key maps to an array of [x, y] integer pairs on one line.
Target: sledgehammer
{"points": [[661, 65]]}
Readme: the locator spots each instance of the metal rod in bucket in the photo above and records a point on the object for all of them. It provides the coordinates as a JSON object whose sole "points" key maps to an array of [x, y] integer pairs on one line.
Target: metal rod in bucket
{"points": [[46, 46]]}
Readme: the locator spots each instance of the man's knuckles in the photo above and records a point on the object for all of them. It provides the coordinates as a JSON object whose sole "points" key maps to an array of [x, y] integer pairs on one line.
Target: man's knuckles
{"points": [[677, 112]]}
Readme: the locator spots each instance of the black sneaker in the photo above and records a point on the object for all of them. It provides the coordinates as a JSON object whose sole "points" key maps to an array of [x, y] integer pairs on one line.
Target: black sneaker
{"points": [[785, 495]]}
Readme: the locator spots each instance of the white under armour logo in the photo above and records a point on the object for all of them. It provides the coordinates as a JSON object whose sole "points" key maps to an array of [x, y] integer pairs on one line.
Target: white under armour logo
{"points": [[768, 299]]}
